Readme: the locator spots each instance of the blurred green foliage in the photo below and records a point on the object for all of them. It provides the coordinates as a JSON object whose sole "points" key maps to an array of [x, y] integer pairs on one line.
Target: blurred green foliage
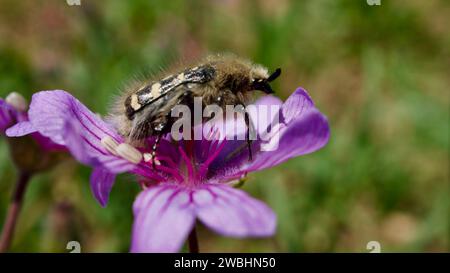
{"points": [[378, 72]]}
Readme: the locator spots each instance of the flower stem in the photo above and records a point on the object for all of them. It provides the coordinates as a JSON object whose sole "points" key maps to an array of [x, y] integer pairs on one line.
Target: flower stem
{"points": [[13, 211], [193, 241]]}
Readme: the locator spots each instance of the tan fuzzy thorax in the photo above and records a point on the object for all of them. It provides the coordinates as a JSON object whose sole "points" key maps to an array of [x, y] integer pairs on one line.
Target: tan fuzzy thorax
{"points": [[223, 79]]}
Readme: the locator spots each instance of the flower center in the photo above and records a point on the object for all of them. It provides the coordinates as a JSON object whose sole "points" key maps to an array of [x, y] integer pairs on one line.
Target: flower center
{"points": [[196, 157]]}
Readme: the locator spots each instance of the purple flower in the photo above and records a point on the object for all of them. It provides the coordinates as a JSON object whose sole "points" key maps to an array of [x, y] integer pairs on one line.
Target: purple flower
{"points": [[30, 154], [191, 179], [12, 110]]}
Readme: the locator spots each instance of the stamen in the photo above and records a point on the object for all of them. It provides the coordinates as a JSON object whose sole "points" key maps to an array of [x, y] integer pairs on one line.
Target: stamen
{"points": [[129, 153], [169, 162], [110, 144], [188, 163], [148, 173], [215, 153], [211, 138], [149, 158], [171, 171], [215, 140]]}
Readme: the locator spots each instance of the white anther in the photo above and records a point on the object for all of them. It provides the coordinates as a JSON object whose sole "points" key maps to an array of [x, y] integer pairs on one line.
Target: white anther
{"points": [[128, 152], [149, 158], [110, 144], [17, 101]]}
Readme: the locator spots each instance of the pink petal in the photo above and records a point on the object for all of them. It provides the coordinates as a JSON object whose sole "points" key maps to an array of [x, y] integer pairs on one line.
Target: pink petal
{"points": [[66, 121], [302, 136], [20, 129], [297, 103], [303, 129], [101, 184], [163, 219], [232, 212]]}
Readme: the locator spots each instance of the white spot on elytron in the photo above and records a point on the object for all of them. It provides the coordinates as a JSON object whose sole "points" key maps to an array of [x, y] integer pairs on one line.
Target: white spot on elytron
{"points": [[180, 77], [156, 90], [135, 102], [194, 68], [128, 152], [109, 144], [149, 158]]}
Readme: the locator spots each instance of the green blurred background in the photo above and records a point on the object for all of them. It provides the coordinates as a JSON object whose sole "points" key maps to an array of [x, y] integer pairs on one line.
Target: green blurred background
{"points": [[378, 72]]}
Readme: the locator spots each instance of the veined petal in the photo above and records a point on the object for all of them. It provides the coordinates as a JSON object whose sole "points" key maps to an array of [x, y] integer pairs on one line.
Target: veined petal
{"points": [[297, 103], [165, 214], [267, 108], [47, 144], [262, 114], [20, 129], [6, 115], [302, 136], [50, 110], [73, 140], [302, 129], [9, 115], [232, 212], [164, 217], [66, 121], [101, 183], [268, 100], [23, 127]]}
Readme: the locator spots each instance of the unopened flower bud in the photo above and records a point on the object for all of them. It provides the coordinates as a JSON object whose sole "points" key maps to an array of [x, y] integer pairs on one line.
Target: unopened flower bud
{"points": [[17, 101]]}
